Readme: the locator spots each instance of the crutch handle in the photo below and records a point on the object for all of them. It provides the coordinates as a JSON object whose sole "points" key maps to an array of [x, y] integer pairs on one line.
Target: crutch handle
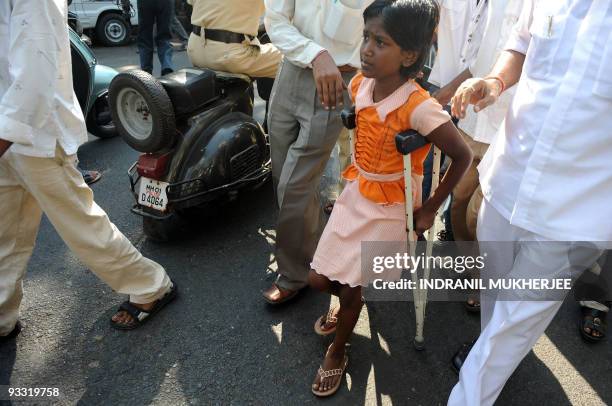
{"points": [[349, 117], [409, 141]]}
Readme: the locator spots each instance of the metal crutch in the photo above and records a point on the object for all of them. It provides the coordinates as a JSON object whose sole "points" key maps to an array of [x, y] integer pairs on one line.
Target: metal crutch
{"points": [[407, 142], [431, 233]]}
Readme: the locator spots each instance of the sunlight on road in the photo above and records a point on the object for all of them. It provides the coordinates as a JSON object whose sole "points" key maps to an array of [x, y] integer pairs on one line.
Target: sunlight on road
{"points": [[277, 329], [566, 374]]}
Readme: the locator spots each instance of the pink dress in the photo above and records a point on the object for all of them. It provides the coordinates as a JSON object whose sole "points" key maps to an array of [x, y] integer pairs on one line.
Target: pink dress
{"points": [[357, 219]]}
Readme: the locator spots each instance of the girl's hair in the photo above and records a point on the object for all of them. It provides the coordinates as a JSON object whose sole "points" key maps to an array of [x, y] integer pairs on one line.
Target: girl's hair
{"points": [[411, 24]]}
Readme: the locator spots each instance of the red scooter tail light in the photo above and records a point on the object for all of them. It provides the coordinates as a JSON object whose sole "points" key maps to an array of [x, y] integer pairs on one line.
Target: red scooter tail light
{"points": [[153, 166]]}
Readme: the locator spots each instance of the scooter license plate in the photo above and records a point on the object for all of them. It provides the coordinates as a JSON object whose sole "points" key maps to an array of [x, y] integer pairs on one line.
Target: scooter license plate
{"points": [[153, 194]]}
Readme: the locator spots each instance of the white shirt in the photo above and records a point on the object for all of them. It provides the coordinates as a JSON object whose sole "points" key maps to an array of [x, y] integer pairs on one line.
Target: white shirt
{"points": [[452, 31], [549, 170], [38, 107], [301, 29], [501, 17], [473, 35]]}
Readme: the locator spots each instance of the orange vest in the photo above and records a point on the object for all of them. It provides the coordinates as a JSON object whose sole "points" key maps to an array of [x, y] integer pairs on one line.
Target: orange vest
{"points": [[375, 150]]}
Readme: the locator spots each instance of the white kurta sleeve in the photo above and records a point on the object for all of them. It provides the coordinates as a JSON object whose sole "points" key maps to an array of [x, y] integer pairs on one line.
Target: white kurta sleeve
{"points": [[33, 59], [297, 48], [520, 38]]}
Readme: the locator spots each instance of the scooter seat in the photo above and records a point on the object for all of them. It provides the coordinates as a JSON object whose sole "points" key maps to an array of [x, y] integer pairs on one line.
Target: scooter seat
{"points": [[191, 89]]}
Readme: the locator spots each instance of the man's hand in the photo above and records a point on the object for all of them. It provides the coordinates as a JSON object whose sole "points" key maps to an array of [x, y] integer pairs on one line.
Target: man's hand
{"points": [[424, 218], [328, 78], [4, 146], [480, 92]]}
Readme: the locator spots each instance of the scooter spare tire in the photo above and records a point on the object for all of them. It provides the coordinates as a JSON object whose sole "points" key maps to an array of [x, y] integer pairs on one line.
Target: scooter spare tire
{"points": [[142, 111]]}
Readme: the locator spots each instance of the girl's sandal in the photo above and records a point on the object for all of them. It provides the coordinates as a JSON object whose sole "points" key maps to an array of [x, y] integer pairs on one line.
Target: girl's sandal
{"points": [[328, 374], [328, 319]]}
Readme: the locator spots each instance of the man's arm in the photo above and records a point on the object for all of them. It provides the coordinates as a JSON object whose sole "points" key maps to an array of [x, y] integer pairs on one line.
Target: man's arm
{"points": [[303, 51], [482, 92], [34, 69], [297, 48]]}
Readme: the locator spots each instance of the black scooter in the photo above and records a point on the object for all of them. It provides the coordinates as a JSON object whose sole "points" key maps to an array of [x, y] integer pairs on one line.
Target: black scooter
{"points": [[198, 139]]}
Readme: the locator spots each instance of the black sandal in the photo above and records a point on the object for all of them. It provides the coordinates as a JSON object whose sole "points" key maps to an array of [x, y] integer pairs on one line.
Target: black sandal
{"points": [[13, 334], [596, 321], [139, 316]]}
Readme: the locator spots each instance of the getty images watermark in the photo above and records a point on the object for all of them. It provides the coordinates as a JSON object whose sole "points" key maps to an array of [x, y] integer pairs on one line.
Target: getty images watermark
{"points": [[450, 271]]}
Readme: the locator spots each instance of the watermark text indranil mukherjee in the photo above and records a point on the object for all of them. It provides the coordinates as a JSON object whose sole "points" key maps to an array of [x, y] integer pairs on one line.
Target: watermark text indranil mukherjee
{"points": [[473, 284]]}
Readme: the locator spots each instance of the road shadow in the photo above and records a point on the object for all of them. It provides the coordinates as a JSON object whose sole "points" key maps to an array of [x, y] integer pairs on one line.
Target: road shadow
{"points": [[593, 362], [8, 354]]}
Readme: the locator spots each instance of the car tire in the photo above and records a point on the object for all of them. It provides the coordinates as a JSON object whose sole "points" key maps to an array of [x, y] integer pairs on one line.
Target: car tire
{"points": [[99, 121], [142, 111], [113, 30]]}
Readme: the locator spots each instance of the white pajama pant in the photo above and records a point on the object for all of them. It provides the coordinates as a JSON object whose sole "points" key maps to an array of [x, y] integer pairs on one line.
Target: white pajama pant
{"points": [[30, 186], [511, 328]]}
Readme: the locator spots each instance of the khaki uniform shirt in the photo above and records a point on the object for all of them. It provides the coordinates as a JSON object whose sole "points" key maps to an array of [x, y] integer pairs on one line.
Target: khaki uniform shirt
{"points": [[241, 16]]}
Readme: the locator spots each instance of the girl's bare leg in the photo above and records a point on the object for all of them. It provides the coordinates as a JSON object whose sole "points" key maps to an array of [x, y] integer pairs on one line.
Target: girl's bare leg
{"points": [[350, 308], [320, 282]]}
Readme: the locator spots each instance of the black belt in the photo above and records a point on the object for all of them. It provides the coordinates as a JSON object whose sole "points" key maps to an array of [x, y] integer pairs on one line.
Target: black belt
{"points": [[228, 37]]}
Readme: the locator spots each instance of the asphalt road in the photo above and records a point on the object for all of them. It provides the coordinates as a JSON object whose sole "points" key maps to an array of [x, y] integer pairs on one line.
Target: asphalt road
{"points": [[219, 343]]}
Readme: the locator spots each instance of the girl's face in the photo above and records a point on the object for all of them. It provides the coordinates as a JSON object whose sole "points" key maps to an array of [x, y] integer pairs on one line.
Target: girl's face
{"points": [[381, 57]]}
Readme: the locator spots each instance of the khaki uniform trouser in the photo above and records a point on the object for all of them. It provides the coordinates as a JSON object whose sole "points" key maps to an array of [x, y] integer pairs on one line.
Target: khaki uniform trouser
{"points": [[302, 136], [254, 59], [467, 195], [30, 186]]}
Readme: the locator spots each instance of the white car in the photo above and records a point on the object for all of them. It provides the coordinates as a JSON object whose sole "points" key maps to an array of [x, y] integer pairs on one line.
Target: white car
{"points": [[104, 20]]}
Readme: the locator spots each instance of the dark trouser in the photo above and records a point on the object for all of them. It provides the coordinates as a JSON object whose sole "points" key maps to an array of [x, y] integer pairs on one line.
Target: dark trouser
{"points": [[158, 13], [302, 136]]}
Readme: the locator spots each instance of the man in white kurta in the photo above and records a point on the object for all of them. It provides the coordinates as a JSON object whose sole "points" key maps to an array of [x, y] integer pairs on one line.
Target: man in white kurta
{"points": [[547, 178], [41, 128]]}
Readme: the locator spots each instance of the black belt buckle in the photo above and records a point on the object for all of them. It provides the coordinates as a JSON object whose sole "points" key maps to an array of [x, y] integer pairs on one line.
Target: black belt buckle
{"points": [[228, 37]]}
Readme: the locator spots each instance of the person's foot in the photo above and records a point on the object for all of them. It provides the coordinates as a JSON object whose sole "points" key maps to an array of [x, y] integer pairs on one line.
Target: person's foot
{"points": [[182, 46], [334, 360], [593, 324], [326, 324], [472, 305], [461, 355], [444, 235], [329, 207], [13, 334], [275, 295], [90, 177], [166, 71], [124, 318]]}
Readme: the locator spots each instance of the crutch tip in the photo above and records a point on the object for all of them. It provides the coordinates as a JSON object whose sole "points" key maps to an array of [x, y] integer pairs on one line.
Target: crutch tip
{"points": [[419, 343]]}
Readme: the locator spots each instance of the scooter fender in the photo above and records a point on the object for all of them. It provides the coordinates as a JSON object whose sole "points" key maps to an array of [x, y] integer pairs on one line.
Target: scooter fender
{"points": [[222, 151], [103, 75]]}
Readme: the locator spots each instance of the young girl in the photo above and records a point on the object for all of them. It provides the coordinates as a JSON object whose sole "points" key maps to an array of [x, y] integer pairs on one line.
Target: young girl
{"points": [[396, 41]]}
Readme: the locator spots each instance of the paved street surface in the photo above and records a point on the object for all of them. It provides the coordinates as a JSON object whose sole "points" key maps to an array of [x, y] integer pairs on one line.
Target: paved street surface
{"points": [[219, 343]]}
